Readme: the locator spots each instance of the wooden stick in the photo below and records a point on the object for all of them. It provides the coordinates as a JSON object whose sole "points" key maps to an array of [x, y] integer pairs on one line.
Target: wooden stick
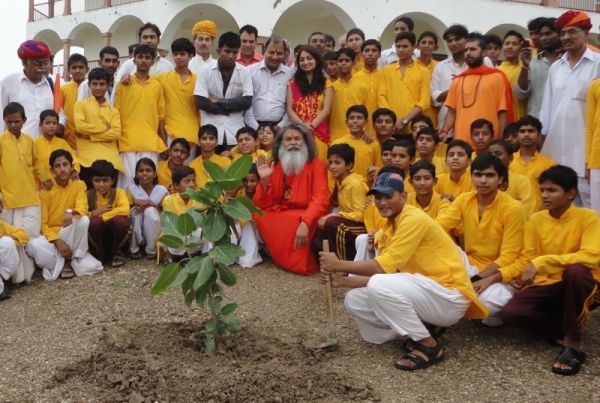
{"points": [[329, 298]]}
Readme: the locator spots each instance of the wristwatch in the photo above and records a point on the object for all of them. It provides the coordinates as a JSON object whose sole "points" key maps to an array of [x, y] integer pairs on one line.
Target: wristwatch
{"points": [[404, 121]]}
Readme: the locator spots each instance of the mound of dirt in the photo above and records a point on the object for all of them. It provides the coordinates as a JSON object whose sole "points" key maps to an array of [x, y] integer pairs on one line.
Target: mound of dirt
{"points": [[165, 362]]}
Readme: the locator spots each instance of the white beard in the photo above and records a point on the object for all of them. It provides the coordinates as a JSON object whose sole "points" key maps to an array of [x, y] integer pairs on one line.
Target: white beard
{"points": [[293, 160]]}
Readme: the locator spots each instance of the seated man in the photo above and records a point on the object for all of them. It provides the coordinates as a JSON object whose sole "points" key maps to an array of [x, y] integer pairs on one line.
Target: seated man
{"points": [[11, 241], [558, 270], [417, 277], [293, 194]]}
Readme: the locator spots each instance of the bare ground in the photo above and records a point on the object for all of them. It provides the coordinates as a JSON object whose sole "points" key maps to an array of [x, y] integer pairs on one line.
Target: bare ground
{"points": [[104, 338]]}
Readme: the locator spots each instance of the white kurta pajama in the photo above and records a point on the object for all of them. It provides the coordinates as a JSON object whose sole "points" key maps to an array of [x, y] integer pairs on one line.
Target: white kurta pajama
{"points": [[146, 223], [30, 219], [9, 260], [249, 241]]}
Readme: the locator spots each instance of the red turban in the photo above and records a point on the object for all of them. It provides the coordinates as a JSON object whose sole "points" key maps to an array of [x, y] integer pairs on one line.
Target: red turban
{"points": [[34, 50], [574, 18]]}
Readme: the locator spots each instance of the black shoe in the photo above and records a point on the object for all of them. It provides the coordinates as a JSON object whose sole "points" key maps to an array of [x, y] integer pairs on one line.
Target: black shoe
{"points": [[6, 293]]}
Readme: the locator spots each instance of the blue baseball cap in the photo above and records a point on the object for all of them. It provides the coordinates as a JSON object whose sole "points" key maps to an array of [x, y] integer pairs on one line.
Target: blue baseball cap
{"points": [[387, 183]]}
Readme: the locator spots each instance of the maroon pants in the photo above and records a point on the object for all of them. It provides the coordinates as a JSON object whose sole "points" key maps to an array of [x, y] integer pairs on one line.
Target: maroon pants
{"points": [[341, 234], [107, 238], [554, 310]]}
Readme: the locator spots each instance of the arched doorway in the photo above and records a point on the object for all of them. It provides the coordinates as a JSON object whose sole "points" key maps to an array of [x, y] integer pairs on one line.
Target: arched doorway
{"points": [[124, 33], [423, 22]]}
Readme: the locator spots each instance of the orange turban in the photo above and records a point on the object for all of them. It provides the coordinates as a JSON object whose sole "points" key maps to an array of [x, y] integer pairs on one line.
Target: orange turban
{"points": [[205, 27], [34, 50], [574, 18]]}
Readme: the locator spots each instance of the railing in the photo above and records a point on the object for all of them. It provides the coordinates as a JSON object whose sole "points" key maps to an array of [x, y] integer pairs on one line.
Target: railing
{"points": [[41, 10], [586, 5], [60, 68]]}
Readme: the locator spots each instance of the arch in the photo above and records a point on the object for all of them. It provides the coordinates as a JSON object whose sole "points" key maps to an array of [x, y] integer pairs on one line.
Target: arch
{"points": [[124, 32], [502, 29], [87, 36], [314, 15], [50, 38], [423, 22]]}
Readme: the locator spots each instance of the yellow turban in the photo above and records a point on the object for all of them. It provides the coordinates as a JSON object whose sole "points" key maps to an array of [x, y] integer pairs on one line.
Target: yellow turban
{"points": [[205, 27]]}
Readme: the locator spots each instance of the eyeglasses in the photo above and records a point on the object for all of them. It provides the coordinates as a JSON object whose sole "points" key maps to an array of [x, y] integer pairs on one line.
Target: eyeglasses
{"points": [[570, 31], [41, 63]]}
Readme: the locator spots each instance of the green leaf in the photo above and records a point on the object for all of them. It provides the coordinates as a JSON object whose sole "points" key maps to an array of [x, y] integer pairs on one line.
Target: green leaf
{"points": [[172, 241], [196, 215], [226, 253], [214, 226], [185, 224], [181, 277], [229, 184], [211, 326], [214, 171], [214, 304], [227, 275], [212, 189], [209, 344], [168, 223], [167, 276], [237, 210], [193, 265], [239, 168], [249, 205], [189, 298], [229, 309], [201, 296], [233, 324], [207, 269]]}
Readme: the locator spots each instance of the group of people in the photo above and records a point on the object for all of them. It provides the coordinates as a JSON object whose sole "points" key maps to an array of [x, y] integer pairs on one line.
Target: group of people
{"points": [[450, 189]]}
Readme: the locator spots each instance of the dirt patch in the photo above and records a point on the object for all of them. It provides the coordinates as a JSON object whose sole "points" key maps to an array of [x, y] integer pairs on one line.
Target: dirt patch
{"points": [[165, 362]]}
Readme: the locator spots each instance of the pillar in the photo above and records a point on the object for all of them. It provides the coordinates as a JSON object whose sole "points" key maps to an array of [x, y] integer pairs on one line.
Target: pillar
{"points": [[106, 37], [31, 11], [66, 54], [67, 10], [106, 3], [51, 8]]}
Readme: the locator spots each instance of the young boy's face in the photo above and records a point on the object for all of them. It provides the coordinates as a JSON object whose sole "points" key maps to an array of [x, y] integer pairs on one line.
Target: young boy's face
{"points": [[404, 49], [370, 55], [386, 157], [501, 153], [423, 182], [416, 127], [554, 196], [427, 45], [331, 68], [391, 205], [62, 169], [102, 184], [250, 184], [246, 143], [208, 142], [354, 42], [78, 70], [49, 125], [338, 167], [486, 181], [14, 122], [181, 59], [528, 136], [493, 52], [345, 64], [178, 154], [401, 158], [143, 62], [356, 123], [145, 174], [187, 182], [98, 87], [266, 137], [482, 137], [513, 138], [384, 126], [425, 145], [457, 159]]}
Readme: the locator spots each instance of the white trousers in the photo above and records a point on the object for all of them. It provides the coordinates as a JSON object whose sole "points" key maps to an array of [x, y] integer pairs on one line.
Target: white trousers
{"points": [[30, 219], [9, 259], [398, 304], [75, 235], [595, 189], [583, 193], [195, 237], [146, 230], [249, 241], [129, 159], [361, 243]]}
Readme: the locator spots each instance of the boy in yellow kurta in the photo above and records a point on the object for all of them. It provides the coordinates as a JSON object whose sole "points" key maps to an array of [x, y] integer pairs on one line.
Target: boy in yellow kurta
{"points": [[109, 214], [78, 69], [370, 76], [141, 104], [511, 66], [208, 141], [458, 179], [98, 127], [418, 273], [492, 224], [427, 43], [247, 144], [179, 151], [62, 250], [48, 142], [181, 118], [423, 179], [427, 141]]}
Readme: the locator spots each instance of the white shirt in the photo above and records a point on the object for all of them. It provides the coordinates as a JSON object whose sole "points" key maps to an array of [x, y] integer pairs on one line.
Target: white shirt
{"points": [[197, 62], [389, 56], [563, 109], [35, 98], [209, 83], [270, 89], [156, 196], [161, 65], [84, 92]]}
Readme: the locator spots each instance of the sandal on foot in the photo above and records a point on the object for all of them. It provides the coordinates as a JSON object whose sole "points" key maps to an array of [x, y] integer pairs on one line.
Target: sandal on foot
{"points": [[433, 355], [6, 293], [571, 357], [67, 272], [435, 331], [136, 255], [117, 261]]}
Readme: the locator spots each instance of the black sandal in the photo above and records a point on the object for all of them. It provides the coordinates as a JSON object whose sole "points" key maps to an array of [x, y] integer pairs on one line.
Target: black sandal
{"points": [[433, 355], [435, 331], [571, 357]]}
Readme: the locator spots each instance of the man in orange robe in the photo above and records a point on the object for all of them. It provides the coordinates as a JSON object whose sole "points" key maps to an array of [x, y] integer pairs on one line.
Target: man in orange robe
{"points": [[293, 194], [480, 92]]}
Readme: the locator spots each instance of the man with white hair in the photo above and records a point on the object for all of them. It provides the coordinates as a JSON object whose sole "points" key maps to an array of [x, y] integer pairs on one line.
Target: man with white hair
{"points": [[293, 194]]}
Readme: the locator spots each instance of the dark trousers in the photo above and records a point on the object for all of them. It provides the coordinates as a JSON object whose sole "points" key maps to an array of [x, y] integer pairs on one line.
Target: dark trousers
{"points": [[341, 234], [554, 310], [107, 238]]}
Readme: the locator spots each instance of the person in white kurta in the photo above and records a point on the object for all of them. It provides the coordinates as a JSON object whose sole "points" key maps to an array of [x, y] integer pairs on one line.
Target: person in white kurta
{"points": [[11, 242], [203, 36], [109, 61]]}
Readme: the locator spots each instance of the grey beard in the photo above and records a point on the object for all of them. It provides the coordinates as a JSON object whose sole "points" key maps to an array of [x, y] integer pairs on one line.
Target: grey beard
{"points": [[293, 161]]}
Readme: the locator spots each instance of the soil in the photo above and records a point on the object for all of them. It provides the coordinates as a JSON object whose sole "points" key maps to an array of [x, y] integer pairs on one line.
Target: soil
{"points": [[104, 338]]}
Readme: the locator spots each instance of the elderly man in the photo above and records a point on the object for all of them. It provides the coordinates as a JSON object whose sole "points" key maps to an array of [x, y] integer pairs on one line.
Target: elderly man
{"points": [[203, 35], [29, 87], [269, 83], [293, 194]]}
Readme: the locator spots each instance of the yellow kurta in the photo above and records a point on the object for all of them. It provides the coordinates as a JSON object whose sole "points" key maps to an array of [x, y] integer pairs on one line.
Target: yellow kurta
{"points": [[182, 118], [98, 130], [69, 96], [532, 169], [142, 107], [372, 219], [553, 244], [120, 205], [165, 176], [495, 238], [435, 207], [371, 81], [446, 186], [20, 166], [365, 155], [198, 166], [432, 111], [45, 147], [520, 188], [18, 234], [513, 71], [352, 197], [56, 201], [401, 93], [440, 165], [236, 154], [592, 126], [345, 94], [175, 204], [414, 243]]}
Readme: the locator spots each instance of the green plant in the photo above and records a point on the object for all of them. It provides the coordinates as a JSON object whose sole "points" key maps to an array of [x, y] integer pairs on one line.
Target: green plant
{"points": [[200, 274]]}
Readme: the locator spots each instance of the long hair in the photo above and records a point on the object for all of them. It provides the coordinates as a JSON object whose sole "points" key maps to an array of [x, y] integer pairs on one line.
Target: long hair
{"points": [[308, 140], [318, 81]]}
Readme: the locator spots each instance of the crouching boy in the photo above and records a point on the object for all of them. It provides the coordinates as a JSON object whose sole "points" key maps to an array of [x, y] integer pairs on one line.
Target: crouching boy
{"points": [[11, 238]]}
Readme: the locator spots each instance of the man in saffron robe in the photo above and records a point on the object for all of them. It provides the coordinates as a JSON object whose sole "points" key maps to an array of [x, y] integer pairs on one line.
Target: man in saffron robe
{"points": [[293, 194], [478, 92]]}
